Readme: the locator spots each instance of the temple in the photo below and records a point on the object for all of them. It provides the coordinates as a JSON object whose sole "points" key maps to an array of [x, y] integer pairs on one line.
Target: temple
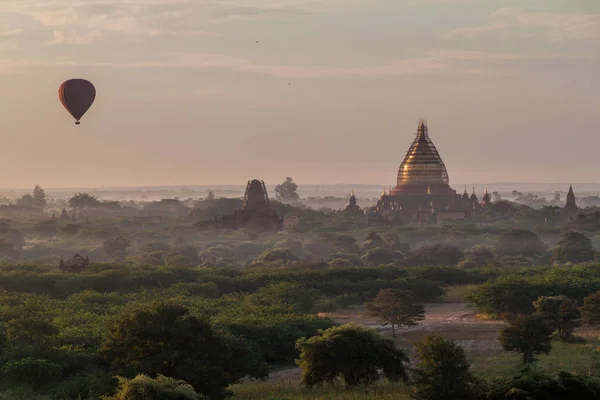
{"points": [[256, 211], [422, 190], [352, 207], [570, 211]]}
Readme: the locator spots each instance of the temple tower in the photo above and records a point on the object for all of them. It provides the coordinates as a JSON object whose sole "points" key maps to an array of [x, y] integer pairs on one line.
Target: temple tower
{"points": [[570, 209], [422, 163], [256, 200], [422, 180]]}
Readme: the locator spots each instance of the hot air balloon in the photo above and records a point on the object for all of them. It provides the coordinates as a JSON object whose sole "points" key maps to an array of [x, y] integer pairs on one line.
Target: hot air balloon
{"points": [[77, 96]]}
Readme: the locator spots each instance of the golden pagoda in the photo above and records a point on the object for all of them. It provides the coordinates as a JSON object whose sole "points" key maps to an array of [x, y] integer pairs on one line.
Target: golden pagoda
{"points": [[422, 182], [422, 163]]}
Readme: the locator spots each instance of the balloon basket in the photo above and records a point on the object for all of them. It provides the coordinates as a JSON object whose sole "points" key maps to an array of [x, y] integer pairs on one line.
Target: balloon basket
{"points": [[77, 123]]}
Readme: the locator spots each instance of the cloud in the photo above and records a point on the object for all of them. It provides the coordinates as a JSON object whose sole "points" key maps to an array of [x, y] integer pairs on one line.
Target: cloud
{"points": [[224, 62], [428, 62], [11, 34], [73, 37], [473, 55], [556, 25], [114, 18], [472, 32]]}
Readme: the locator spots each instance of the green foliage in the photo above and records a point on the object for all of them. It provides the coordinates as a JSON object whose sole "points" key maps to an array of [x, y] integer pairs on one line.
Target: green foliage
{"points": [[287, 191], [436, 254], [39, 197], [142, 387], [275, 257], [357, 355], [285, 297], [274, 336], [590, 311], [561, 313], [520, 242], [36, 372], [442, 371], [529, 335], [515, 292], [117, 245], [532, 383], [479, 256], [81, 201], [396, 307], [165, 339], [382, 256], [574, 247]]}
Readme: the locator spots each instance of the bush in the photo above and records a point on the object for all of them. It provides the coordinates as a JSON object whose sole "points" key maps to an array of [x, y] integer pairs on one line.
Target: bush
{"points": [[142, 387], [528, 335], [574, 247], [165, 339], [357, 355], [442, 371]]}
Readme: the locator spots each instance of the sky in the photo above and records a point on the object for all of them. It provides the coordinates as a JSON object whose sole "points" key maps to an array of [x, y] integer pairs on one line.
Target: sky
{"points": [[331, 93]]}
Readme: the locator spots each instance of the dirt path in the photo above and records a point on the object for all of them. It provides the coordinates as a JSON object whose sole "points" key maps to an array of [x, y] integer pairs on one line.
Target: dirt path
{"points": [[452, 320]]}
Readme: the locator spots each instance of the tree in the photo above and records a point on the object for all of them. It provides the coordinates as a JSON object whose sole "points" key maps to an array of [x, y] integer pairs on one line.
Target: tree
{"points": [[166, 339], [142, 387], [478, 256], [39, 196], [574, 247], [26, 201], [116, 245], [396, 307], [285, 296], [357, 355], [535, 383], [442, 371], [382, 256], [528, 335], [560, 312], [287, 191], [82, 201], [520, 242], [591, 309], [436, 254]]}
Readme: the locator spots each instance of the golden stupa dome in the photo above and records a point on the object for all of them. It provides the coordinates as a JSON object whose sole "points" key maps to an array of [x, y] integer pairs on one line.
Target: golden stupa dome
{"points": [[422, 164]]}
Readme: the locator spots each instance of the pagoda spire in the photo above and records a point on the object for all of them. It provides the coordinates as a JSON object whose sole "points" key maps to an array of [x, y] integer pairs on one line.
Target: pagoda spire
{"points": [[571, 197], [422, 130], [571, 205], [422, 163]]}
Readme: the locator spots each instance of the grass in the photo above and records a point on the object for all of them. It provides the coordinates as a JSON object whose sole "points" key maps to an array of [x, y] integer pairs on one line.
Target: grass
{"points": [[289, 390], [485, 353], [457, 294], [576, 358]]}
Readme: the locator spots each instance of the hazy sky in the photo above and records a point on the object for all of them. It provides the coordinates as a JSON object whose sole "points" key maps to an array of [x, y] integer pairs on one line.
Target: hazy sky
{"points": [[185, 95]]}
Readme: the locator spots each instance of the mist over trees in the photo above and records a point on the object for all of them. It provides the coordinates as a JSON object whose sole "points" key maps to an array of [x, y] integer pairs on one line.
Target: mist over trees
{"points": [[162, 293]]}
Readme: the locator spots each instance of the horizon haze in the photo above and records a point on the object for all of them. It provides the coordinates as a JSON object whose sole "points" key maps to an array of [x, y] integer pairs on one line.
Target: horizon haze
{"points": [[219, 92]]}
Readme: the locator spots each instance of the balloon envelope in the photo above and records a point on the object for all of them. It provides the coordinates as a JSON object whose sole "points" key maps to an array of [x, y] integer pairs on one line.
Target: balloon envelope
{"points": [[77, 96]]}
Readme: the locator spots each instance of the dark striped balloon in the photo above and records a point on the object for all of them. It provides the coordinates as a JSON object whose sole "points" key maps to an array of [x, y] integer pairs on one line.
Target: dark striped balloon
{"points": [[77, 96]]}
